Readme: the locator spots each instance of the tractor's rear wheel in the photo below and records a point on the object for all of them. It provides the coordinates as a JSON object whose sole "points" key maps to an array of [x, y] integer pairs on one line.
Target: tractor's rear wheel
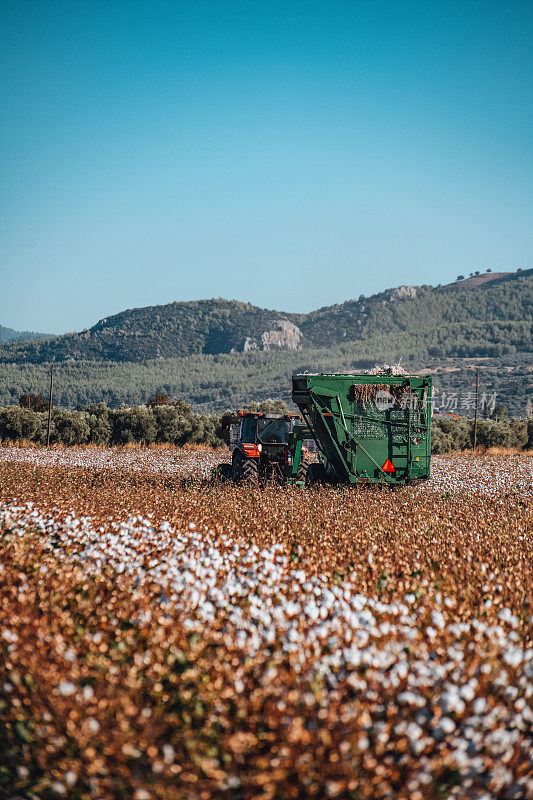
{"points": [[315, 474], [301, 474], [245, 470]]}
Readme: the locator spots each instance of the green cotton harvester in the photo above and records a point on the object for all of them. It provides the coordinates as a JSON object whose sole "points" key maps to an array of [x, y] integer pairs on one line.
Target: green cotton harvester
{"points": [[371, 428]]}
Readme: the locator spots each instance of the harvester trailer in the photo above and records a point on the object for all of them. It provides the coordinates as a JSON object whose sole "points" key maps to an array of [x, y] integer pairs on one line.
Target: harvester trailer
{"points": [[368, 429]]}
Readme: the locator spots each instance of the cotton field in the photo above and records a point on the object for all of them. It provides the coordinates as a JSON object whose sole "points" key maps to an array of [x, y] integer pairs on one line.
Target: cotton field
{"points": [[490, 475], [172, 461], [165, 637]]}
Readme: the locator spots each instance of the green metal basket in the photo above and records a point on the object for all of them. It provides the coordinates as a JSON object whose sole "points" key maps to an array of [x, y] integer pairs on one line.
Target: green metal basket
{"points": [[368, 428]]}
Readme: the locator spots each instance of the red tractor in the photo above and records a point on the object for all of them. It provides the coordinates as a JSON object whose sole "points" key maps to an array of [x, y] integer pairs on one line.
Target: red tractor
{"points": [[262, 449]]}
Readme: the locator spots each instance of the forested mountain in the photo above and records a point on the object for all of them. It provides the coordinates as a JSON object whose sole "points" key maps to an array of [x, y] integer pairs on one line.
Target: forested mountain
{"points": [[184, 349], [169, 331], [483, 313], [10, 335], [483, 318]]}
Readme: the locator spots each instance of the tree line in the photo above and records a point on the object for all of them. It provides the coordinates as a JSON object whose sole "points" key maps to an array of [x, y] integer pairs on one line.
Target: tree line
{"points": [[170, 422], [163, 421], [449, 434]]}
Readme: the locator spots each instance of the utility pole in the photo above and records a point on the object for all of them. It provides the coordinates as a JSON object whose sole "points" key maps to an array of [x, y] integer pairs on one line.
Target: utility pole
{"points": [[475, 413], [50, 405]]}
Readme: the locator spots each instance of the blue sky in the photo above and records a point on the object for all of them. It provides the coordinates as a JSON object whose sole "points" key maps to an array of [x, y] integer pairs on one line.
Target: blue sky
{"points": [[290, 154]]}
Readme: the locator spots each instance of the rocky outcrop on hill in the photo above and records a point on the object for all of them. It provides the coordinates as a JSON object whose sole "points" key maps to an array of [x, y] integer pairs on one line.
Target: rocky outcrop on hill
{"points": [[402, 293], [283, 334]]}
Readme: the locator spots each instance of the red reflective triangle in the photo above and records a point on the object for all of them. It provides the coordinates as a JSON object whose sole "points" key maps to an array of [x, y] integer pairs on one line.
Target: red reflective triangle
{"points": [[388, 466]]}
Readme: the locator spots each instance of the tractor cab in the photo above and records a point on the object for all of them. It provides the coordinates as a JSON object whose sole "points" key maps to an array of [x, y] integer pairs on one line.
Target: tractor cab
{"points": [[267, 428]]}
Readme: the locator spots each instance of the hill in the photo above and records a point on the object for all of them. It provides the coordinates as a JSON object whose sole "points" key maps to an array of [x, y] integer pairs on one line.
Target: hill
{"points": [[477, 317], [471, 317], [169, 331], [185, 349]]}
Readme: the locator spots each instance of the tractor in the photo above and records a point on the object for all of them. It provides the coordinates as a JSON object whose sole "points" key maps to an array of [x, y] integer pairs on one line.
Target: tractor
{"points": [[368, 428], [262, 449]]}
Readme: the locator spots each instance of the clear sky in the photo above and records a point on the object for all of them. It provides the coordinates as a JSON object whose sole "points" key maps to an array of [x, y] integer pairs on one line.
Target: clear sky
{"points": [[290, 154]]}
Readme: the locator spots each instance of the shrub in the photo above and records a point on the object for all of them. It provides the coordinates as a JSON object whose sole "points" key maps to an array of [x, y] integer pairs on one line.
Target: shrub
{"points": [[35, 402], [70, 427], [208, 430], [174, 424], [135, 424], [160, 400], [19, 423], [268, 406], [458, 434], [504, 433], [440, 442], [99, 424], [529, 424]]}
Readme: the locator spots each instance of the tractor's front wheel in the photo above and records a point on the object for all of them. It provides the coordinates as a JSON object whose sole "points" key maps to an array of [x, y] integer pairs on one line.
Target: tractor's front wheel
{"points": [[245, 470], [221, 473]]}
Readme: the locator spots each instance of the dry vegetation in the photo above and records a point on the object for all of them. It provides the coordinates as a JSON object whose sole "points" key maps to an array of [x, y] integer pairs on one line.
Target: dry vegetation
{"points": [[163, 637]]}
